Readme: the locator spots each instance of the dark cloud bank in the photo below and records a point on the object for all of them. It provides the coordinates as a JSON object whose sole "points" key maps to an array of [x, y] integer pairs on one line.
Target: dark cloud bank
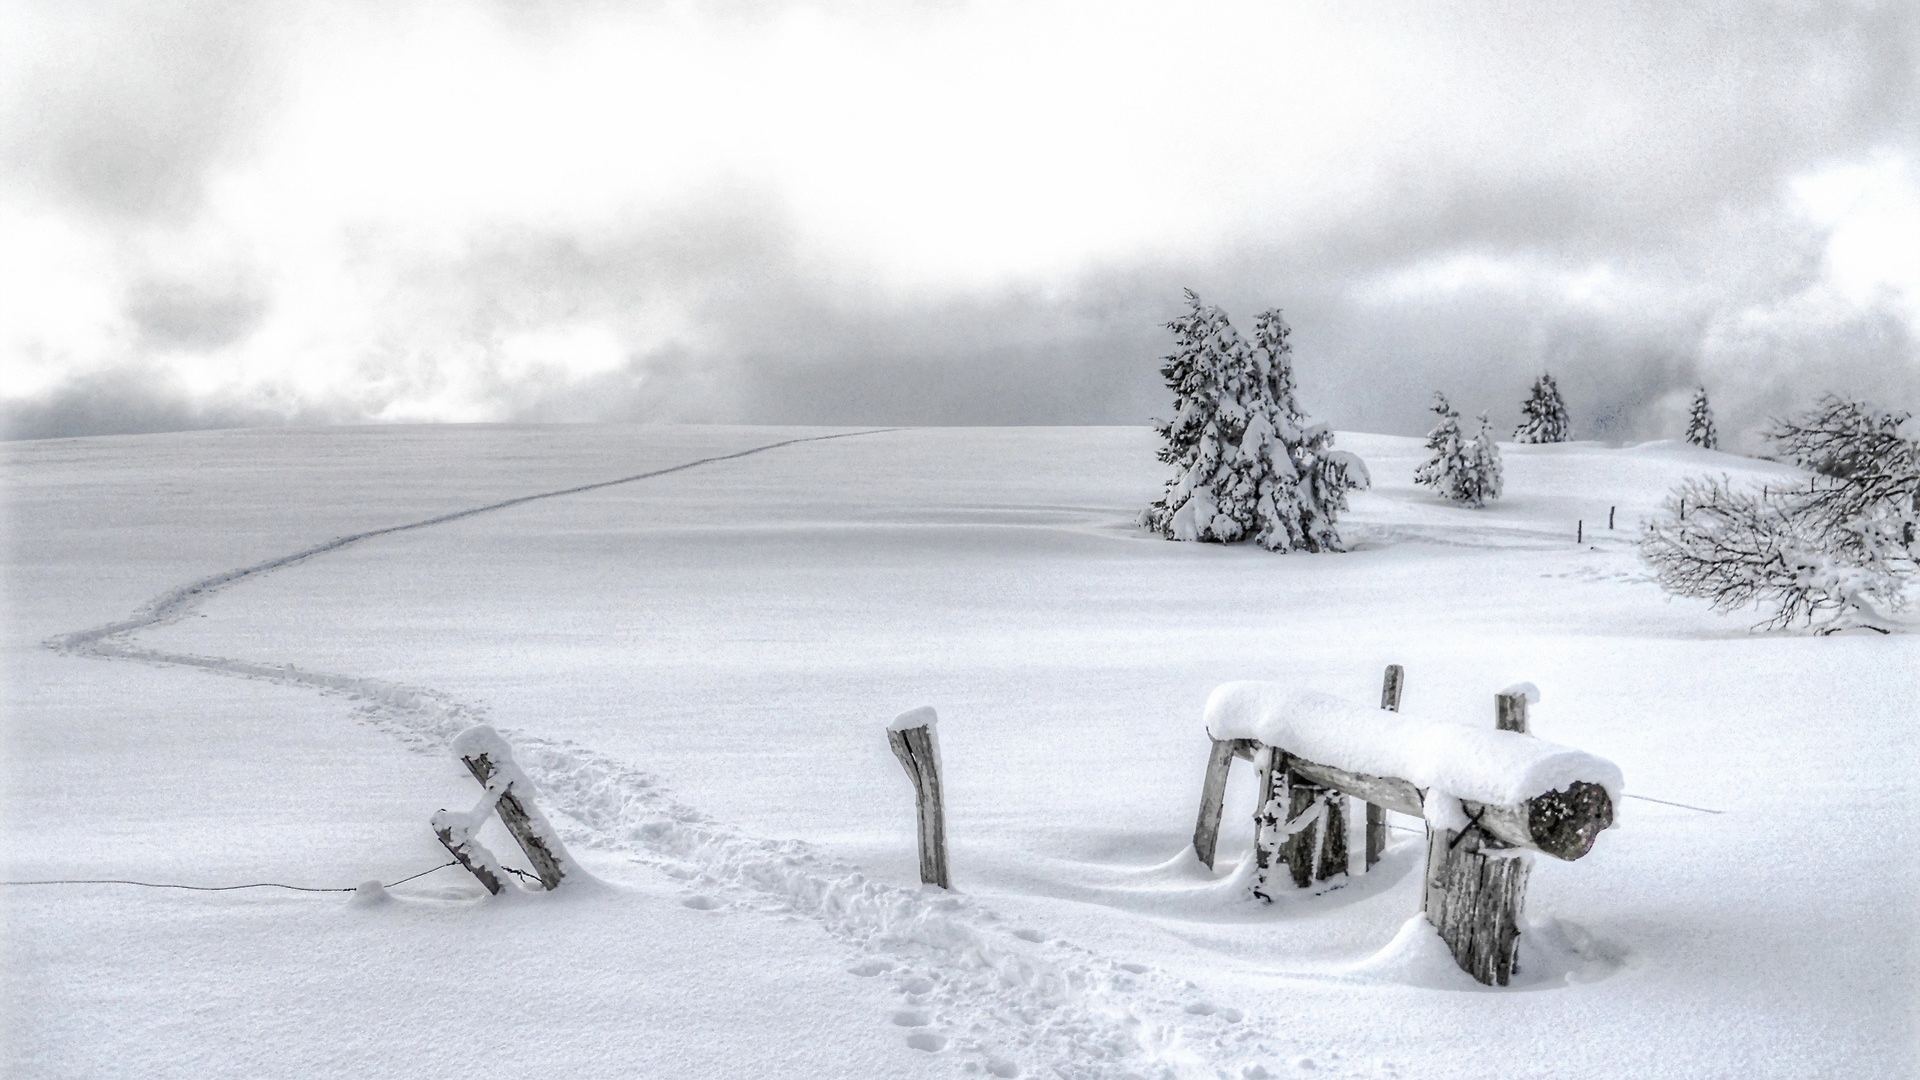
{"points": [[1685, 217]]}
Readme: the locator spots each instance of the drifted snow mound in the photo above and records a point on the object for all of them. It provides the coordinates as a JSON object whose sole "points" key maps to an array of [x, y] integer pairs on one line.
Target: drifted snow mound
{"points": [[1552, 954], [1482, 765]]}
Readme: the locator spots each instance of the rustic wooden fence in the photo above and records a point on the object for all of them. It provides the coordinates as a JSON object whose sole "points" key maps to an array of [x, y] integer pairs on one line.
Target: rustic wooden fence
{"points": [[509, 793], [1477, 860]]}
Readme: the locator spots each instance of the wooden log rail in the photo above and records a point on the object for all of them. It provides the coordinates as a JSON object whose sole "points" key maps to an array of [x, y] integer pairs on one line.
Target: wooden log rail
{"points": [[1476, 875]]}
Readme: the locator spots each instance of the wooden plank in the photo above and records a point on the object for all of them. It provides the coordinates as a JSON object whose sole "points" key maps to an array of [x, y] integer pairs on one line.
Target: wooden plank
{"points": [[476, 867], [919, 755], [1213, 795], [1377, 814], [1266, 817], [1333, 838], [1297, 850], [514, 816]]}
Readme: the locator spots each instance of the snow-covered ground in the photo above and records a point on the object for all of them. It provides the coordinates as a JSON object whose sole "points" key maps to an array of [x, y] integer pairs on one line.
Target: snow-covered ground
{"points": [[697, 666]]}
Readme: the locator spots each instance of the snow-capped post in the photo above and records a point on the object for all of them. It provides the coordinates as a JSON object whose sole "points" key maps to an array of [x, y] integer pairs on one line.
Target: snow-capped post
{"points": [[1376, 814], [917, 745], [509, 793], [1510, 707], [1490, 797]]}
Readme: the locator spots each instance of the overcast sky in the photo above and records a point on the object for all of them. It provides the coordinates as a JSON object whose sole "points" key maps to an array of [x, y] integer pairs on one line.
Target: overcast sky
{"points": [[949, 212]]}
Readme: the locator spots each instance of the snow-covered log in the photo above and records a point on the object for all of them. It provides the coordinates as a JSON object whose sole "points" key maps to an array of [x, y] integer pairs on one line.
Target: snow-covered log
{"points": [[1526, 791]]}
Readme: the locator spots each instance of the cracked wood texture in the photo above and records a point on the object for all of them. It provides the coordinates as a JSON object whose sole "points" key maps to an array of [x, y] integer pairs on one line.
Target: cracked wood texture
{"points": [[514, 816], [919, 755]]}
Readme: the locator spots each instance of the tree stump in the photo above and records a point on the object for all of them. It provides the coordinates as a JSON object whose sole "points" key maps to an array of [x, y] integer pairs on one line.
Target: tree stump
{"points": [[1476, 884], [1473, 898]]}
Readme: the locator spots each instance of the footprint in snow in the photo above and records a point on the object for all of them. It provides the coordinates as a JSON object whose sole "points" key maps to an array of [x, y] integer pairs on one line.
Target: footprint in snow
{"points": [[701, 903], [1030, 935], [1137, 969], [1002, 1068], [867, 969], [928, 1041], [911, 1018], [917, 985]]}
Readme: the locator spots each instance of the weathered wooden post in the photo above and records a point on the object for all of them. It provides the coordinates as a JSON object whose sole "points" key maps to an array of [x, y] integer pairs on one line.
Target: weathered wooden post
{"points": [[509, 793], [1377, 814], [916, 744], [1476, 883], [1213, 794]]}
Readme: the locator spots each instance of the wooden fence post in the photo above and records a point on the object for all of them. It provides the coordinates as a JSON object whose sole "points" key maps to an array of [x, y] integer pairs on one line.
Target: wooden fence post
{"points": [[1476, 884], [1213, 794], [1376, 814], [508, 793], [513, 814], [915, 743]]}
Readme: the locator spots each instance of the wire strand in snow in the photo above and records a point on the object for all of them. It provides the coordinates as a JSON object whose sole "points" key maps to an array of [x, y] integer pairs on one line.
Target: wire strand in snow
{"points": [[225, 888]]}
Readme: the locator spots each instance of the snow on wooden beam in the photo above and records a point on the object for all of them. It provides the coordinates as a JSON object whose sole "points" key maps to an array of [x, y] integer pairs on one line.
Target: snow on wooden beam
{"points": [[1485, 766]]}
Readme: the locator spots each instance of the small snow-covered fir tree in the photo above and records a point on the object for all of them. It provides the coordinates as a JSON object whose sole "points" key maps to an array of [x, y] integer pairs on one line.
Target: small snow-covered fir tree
{"points": [[1465, 472], [1546, 415], [1835, 552], [1700, 431], [1449, 451], [1483, 479], [1249, 464]]}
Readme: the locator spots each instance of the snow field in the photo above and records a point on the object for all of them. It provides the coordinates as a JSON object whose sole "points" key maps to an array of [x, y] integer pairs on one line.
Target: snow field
{"points": [[695, 669]]}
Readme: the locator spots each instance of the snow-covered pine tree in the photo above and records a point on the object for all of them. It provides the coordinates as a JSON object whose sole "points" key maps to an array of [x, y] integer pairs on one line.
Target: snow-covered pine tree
{"points": [[1449, 449], [1546, 415], [1193, 374], [1483, 479], [1700, 431], [1249, 463], [1465, 472]]}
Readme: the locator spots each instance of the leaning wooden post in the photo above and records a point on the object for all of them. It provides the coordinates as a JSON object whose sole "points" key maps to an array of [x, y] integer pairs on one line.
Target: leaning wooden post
{"points": [[1213, 795], [1377, 814], [508, 793], [914, 742]]}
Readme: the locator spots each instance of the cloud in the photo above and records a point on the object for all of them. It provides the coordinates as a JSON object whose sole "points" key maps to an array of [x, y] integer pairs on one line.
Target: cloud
{"points": [[952, 213]]}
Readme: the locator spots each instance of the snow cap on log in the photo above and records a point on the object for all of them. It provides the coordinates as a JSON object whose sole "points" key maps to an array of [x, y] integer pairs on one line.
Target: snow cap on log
{"points": [[915, 718], [1483, 765]]}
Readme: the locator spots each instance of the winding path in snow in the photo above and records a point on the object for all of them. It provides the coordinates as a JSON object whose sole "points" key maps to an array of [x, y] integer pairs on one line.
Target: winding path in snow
{"points": [[1011, 1000]]}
